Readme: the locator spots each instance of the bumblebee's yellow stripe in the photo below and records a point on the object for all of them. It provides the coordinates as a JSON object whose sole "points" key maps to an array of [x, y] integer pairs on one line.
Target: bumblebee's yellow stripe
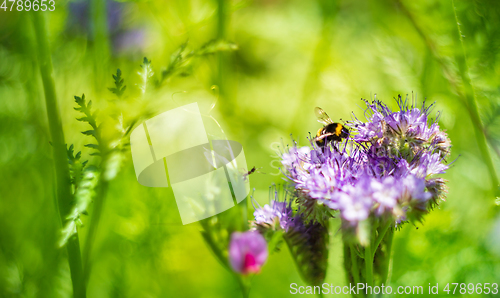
{"points": [[319, 132], [338, 129]]}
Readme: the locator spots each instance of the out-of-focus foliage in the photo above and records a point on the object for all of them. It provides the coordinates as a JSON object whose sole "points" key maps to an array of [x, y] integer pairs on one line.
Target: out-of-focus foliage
{"points": [[279, 59]]}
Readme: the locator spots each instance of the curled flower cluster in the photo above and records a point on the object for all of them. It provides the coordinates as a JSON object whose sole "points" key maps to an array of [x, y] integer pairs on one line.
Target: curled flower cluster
{"points": [[307, 240], [386, 169], [274, 215]]}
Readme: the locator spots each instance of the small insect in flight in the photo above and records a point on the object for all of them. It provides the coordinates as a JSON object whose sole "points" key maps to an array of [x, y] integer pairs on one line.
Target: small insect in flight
{"points": [[252, 170], [331, 131]]}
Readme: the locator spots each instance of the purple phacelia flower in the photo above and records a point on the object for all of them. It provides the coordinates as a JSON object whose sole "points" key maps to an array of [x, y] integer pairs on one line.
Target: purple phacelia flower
{"points": [[307, 240], [386, 193], [403, 133], [276, 214], [247, 252], [386, 168], [429, 164]]}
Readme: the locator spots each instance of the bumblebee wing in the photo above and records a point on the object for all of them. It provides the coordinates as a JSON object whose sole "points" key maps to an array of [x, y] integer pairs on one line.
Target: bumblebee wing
{"points": [[322, 116]]}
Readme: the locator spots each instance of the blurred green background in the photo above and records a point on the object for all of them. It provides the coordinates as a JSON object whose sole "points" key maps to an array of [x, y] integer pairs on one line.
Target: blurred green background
{"points": [[292, 55]]}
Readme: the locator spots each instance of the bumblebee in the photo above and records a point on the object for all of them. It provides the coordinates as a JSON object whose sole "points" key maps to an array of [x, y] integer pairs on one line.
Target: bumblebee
{"points": [[331, 131]]}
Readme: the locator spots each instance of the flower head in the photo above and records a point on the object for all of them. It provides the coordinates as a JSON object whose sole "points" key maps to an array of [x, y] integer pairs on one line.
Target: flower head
{"points": [[307, 240], [247, 252], [276, 214], [386, 169], [402, 133]]}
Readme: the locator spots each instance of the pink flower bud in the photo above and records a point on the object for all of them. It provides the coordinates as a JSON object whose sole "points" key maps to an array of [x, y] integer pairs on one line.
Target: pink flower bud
{"points": [[247, 252]]}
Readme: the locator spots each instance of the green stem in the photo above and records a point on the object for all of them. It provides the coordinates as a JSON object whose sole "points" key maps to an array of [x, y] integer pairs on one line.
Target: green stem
{"points": [[354, 261], [388, 261], [243, 206], [468, 96], [322, 53], [208, 236], [360, 255], [245, 289], [94, 223], [98, 13], [369, 265], [222, 12], [471, 99], [64, 196], [380, 236], [223, 75]]}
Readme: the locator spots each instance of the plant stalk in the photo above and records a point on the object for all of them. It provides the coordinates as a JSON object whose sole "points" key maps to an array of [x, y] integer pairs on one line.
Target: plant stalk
{"points": [[100, 33], [369, 265], [471, 99], [223, 72], [467, 96], [243, 282], [63, 184], [94, 223], [245, 289], [354, 261], [387, 264], [381, 236], [322, 53], [371, 268]]}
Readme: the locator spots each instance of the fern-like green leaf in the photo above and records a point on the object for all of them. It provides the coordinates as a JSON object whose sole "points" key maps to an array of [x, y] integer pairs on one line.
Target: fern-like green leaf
{"points": [[176, 60], [93, 146], [146, 73], [215, 46], [180, 59], [76, 167], [89, 132], [119, 86], [84, 191], [90, 118]]}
